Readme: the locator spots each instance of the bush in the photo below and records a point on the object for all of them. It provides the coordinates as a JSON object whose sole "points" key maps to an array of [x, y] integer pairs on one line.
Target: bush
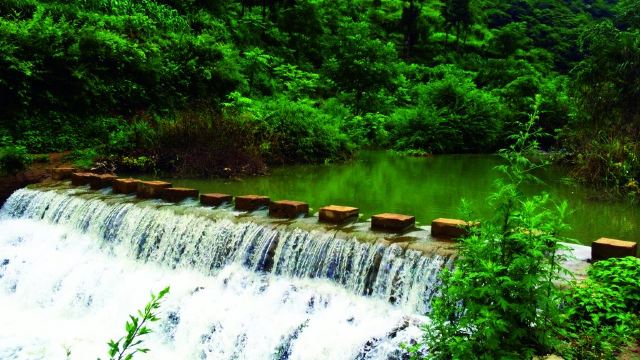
{"points": [[603, 313], [450, 115], [83, 158], [14, 159]]}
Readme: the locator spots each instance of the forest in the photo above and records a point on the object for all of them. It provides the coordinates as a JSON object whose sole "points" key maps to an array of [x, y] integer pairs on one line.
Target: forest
{"points": [[206, 87]]}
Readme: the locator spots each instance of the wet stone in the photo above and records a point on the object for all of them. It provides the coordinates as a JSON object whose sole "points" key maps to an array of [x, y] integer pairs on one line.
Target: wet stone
{"points": [[393, 222], [151, 189], [605, 248], [125, 186], [179, 194], [336, 214], [251, 202], [215, 199], [288, 209]]}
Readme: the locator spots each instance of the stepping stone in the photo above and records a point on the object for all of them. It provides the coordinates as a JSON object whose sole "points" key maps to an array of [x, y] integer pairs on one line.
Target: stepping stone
{"points": [[62, 173], [251, 202], [288, 209], [125, 186], [178, 194], [81, 178], [151, 189], [392, 222], [449, 228], [336, 214], [215, 199], [100, 181], [605, 248]]}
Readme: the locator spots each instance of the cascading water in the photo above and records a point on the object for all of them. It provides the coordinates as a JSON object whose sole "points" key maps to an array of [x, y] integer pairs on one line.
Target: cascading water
{"points": [[74, 263]]}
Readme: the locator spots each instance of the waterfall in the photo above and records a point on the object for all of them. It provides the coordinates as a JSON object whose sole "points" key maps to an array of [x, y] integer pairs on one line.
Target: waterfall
{"points": [[241, 288]]}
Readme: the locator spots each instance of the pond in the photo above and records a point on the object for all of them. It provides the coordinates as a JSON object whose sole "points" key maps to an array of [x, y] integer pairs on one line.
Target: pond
{"points": [[427, 188]]}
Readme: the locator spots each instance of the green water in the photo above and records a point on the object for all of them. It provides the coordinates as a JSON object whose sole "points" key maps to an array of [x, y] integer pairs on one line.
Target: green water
{"points": [[427, 188]]}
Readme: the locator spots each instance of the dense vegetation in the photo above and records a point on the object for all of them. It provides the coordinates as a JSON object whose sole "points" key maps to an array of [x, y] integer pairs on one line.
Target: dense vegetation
{"points": [[508, 296], [216, 87]]}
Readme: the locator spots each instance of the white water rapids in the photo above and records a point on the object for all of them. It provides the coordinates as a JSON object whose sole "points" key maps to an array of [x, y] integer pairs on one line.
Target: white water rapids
{"points": [[73, 266]]}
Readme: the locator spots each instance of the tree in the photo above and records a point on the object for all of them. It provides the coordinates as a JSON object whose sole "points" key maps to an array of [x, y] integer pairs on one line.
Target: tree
{"points": [[458, 15], [607, 81]]}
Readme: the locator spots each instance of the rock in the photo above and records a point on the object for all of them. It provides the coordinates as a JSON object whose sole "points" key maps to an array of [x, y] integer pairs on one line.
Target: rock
{"points": [[449, 228], [288, 209], [151, 189], [62, 173], [100, 181], [178, 194], [215, 199], [251, 202], [336, 214], [125, 186], [605, 248], [392, 222], [81, 178]]}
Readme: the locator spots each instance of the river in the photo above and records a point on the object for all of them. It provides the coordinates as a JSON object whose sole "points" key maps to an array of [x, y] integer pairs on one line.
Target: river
{"points": [[427, 188]]}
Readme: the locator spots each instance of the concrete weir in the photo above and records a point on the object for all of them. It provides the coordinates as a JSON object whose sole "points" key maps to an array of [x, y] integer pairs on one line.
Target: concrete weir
{"points": [[389, 228]]}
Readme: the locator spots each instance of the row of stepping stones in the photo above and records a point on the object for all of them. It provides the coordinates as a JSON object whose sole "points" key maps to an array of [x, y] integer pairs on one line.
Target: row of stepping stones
{"points": [[441, 228]]}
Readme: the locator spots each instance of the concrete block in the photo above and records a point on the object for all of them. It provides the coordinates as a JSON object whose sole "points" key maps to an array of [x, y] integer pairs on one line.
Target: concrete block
{"points": [[151, 189], [81, 178], [100, 181], [62, 173], [605, 248], [178, 194], [449, 228], [288, 209], [337, 214], [215, 199], [251, 202], [125, 186], [392, 222]]}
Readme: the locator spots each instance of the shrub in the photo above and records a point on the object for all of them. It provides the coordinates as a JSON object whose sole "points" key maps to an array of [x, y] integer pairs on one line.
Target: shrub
{"points": [[451, 115], [298, 132], [603, 313], [83, 158], [14, 159]]}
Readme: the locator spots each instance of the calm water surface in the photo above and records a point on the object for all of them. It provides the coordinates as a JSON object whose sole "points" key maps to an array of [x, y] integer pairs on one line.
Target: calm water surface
{"points": [[427, 188]]}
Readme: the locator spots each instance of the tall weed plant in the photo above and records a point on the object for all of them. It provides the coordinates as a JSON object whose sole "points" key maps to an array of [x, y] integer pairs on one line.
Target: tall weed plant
{"points": [[501, 299]]}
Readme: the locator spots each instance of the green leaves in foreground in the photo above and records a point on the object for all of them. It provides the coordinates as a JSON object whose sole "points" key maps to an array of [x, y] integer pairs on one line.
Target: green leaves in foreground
{"points": [[128, 345], [501, 301]]}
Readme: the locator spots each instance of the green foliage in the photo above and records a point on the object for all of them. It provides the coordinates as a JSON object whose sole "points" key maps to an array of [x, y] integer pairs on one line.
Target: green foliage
{"points": [[14, 159], [83, 158], [606, 87], [119, 74], [450, 115], [130, 344], [603, 312], [501, 300]]}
